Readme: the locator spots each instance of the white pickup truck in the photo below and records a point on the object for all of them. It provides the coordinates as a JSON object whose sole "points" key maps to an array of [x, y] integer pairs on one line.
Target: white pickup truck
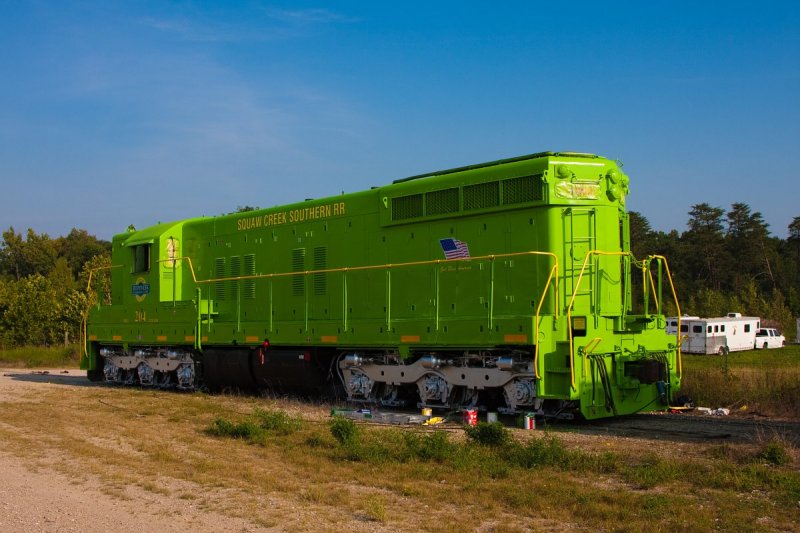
{"points": [[769, 338]]}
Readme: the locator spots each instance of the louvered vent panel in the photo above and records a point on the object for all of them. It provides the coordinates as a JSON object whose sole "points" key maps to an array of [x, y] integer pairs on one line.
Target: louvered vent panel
{"points": [[481, 195], [236, 271], [320, 263], [249, 285], [521, 190], [219, 272], [441, 202], [298, 265], [404, 207]]}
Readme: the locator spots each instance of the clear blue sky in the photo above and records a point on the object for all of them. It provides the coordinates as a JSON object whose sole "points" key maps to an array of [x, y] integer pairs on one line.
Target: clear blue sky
{"points": [[117, 113]]}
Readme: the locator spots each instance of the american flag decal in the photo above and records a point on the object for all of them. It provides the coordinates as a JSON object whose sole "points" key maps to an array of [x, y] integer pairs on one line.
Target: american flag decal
{"points": [[454, 249]]}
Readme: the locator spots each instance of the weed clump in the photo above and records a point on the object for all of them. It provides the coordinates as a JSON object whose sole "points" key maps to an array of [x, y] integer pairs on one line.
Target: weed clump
{"points": [[547, 451], [277, 421], [489, 434], [257, 428], [247, 430], [376, 509], [775, 452], [429, 447], [344, 430]]}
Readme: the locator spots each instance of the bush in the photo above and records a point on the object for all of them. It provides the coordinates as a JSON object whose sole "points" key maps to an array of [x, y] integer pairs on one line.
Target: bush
{"points": [[243, 430], [776, 453], [277, 421], [429, 447], [257, 428], [547, 451], [344, 430], [488, 434]]}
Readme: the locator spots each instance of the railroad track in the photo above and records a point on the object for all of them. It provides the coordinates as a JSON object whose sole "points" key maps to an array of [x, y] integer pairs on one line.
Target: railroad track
{"points": [[654, 426], [688, 427]]}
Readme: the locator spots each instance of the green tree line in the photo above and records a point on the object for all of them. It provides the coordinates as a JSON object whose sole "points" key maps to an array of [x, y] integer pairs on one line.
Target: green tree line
{"points": [[43, 294], [727, 261], [723, 262]]}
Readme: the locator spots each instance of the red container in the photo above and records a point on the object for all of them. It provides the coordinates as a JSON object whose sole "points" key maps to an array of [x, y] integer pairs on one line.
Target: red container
{"points": [[470, 417]]}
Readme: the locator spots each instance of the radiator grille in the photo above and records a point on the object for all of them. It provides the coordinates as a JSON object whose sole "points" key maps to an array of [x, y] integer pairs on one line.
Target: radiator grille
{"points": [[405, 207], [320, 263], [441, 202], [298, 265], [481, 195], [521, 190], [249, 285], [219, 272], [236, 271]]}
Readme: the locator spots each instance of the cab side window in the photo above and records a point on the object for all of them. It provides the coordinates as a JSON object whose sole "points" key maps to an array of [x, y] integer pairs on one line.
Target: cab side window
{"points": [[141, 258]]}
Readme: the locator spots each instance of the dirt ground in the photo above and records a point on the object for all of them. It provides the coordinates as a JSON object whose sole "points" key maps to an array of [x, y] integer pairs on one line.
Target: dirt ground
{"points": [[37, 499], [34, 497], [39, 494]]}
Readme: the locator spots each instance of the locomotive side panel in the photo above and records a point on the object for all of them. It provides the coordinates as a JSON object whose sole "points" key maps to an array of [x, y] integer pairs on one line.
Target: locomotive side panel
{"points": [[507, 279]]}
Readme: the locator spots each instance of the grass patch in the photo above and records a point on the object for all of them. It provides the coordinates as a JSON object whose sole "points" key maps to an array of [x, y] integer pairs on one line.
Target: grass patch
{"points": [[376, 508], [246, 457], [343, 430], [775, 452], [258, 428], [488, 434], [41, 357], [761, 381], [491, 452]]}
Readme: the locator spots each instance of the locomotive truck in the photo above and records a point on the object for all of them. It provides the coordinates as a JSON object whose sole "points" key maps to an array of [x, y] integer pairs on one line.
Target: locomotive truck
{"points": [[508, 283]]}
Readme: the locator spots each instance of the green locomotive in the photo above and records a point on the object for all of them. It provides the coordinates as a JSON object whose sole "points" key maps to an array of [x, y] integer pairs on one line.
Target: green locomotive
{"points": [[507, 283]]}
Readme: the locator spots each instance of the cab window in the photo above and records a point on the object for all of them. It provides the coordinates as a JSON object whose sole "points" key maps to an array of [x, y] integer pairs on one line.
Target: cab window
{"points": [[141, 258]]}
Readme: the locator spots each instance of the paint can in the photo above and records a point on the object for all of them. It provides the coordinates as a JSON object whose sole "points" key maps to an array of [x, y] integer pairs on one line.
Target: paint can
{"points": [[530, 421], [491, 417], [427, 411], [470, 417]]}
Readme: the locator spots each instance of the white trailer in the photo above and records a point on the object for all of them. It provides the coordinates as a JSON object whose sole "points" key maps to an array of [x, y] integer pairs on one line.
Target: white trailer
{"points": [[730, 333]]}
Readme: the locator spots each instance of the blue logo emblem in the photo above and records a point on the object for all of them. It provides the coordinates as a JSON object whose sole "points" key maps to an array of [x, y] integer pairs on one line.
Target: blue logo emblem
{"points": [[140, 289]]}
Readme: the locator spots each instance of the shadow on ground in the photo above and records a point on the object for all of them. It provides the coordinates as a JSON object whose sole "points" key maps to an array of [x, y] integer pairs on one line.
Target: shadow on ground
{"points": [[76, 378]]}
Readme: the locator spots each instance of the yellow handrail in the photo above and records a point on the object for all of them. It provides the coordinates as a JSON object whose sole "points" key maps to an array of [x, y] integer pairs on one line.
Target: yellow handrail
{"points": [[572, 301], [355, 268], [678, 311], [553, 272], [588, 350], [85, 316], [575, 292], [552, 279], [652, 286]]}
